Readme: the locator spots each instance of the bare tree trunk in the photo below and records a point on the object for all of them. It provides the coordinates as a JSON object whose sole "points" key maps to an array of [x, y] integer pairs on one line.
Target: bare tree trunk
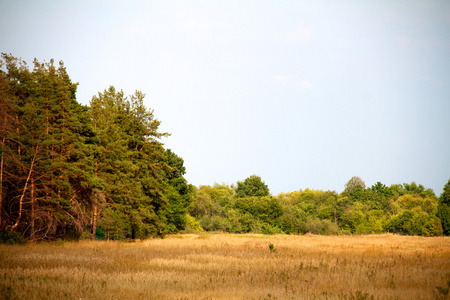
{"points": [[94, 216], [32, 208], [24, 190]]}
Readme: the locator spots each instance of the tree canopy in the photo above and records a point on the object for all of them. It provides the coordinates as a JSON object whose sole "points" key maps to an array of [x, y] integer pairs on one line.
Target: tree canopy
{"points": [[101, 171], [72, 170], [252, 186]]}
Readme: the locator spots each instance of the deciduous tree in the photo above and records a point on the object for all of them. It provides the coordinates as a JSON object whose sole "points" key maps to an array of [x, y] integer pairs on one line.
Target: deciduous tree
{"points": [[252, 186]]}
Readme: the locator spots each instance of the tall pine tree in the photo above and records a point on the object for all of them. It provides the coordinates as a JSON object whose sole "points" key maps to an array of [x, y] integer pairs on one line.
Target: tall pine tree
{"points": [[130, 163], [48, 189]]}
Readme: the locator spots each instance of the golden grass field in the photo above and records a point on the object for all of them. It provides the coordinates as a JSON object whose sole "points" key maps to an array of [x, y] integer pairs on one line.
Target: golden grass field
{"points": [[226, 266]]}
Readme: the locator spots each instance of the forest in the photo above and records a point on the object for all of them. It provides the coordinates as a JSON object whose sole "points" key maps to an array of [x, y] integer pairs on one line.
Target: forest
{"points": [[101, 171]]}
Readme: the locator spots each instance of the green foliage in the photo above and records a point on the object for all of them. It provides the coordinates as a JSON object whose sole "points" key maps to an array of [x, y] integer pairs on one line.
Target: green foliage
{"points": [[101, 171], [374, 210], [215, 223], [11, 238], [443, 213], [323, 227], [413, 222], [413, 188], [192, 225], [272, 248], [76, 170], [132, 166], [443, 209], [48, 169], [445, 196], [262, 208], [292, 220], [262, 212], [180, 194], [252, 186], [354, 185], [218, 209]]}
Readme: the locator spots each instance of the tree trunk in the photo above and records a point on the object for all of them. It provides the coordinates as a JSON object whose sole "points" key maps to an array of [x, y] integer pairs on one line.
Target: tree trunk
{"points": [[94, 223], [133, 233], [33, 185], [94, 218], [24, 190]]}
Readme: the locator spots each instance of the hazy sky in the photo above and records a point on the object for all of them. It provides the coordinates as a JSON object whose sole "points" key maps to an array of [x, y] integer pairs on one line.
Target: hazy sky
{"points": [[301, 93]]}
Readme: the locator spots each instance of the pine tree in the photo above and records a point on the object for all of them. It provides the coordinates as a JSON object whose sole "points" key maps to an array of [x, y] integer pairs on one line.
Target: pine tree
{"points": [[8, 125], [443, 209], [130, 163], [68, 169], [48, 189]]}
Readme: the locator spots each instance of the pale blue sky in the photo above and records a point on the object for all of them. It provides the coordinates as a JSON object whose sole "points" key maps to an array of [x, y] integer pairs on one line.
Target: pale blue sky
{"points": [[301, 93]]}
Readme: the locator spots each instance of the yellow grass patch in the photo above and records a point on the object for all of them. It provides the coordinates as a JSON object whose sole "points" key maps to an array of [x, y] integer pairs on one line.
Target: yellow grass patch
{"points": [[226, 266]]}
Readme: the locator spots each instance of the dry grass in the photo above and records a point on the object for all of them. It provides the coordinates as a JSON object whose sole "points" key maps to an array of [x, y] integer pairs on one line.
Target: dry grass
{"points": [[224, 266]]}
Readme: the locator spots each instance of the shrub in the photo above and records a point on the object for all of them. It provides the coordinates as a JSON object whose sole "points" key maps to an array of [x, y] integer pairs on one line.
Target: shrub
{"points": [[11, 238], [192, 225]]}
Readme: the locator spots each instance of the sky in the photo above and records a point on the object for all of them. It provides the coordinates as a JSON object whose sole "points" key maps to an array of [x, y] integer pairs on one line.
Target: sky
{"points": [[304, 94]]}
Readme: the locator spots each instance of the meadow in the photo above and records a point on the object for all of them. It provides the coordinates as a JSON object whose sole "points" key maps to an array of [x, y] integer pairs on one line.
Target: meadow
{"points": [[227, 266]]}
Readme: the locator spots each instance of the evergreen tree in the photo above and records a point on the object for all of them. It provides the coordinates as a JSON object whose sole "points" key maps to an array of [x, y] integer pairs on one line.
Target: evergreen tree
{"points": [[8, 125], [443, 209], [45, 197], [130, 164]]}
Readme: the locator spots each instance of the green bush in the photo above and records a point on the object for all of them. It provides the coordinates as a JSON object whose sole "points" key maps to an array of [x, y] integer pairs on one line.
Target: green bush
{"points": [[192, 225], [214, 223], [11, 238], [324, 227]]}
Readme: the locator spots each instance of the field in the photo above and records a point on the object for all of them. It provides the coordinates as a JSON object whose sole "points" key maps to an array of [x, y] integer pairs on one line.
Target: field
{"points": [[225, 266]]}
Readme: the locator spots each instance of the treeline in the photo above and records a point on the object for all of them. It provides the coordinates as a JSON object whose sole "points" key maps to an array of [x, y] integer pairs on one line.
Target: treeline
{"points": [[69, 170], [407, 209], [101, 171]]}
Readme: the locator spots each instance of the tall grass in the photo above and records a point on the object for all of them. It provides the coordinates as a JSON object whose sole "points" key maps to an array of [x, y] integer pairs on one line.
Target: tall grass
{"points": [[224, 266]]}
